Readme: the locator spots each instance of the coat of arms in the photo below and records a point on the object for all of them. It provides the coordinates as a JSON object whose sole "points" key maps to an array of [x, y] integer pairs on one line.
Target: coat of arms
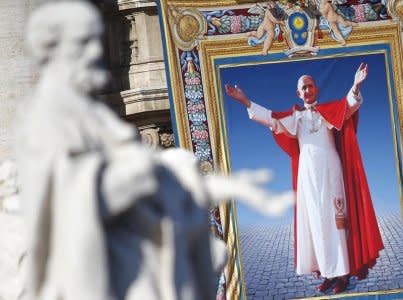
{"points": [[300, 33]]}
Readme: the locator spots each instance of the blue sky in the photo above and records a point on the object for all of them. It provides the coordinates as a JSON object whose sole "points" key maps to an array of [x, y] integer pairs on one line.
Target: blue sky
{"points": [[274, 86]]}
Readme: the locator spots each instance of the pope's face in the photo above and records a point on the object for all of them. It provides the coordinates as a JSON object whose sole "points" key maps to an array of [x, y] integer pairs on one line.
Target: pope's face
{"points": [[307, 90]]}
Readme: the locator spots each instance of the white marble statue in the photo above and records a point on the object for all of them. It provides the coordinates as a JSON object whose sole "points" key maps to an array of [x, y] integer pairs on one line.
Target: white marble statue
{"points": [[12, 234], [108, 217], [9, 198]]}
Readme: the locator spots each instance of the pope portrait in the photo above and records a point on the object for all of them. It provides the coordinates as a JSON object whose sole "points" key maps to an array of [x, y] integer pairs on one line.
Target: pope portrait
{"points": [[336, 233]]}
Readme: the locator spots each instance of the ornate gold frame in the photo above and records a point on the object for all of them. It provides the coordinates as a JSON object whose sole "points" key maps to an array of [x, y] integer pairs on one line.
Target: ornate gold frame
{"points": [[216, 47]]}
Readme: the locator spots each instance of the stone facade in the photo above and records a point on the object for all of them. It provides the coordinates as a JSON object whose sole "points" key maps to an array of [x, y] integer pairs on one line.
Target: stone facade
{"points": [[17, 69], [138, 90]]}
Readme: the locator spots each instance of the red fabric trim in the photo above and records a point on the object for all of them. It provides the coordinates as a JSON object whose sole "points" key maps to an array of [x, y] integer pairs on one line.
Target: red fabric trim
{"points": [[363, 236], [333, 112]]}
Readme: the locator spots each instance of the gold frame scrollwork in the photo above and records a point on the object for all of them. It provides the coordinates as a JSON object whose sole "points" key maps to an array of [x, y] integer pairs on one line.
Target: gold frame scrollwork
{"points": [[395, 8]]}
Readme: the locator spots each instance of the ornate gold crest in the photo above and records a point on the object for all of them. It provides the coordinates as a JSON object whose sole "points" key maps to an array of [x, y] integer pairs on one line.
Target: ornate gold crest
{"points": [[300, 32], [187, 27], [206, 167]]}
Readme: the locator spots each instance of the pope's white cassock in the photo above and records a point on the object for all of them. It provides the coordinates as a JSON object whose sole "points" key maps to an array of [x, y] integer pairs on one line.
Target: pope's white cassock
{"points": [[320, 190]]}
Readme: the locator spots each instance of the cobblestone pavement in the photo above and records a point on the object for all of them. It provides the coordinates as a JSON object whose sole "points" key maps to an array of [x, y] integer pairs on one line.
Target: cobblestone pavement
{"points": [[268, 262]]}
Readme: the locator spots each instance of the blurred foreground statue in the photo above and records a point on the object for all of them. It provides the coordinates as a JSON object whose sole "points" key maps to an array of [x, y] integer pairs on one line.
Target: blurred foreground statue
{"points": [[12, 235], [108, 217], [9, 198]]}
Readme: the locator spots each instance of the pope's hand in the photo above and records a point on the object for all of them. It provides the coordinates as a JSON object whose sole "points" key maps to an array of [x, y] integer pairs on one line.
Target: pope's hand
{"points": [[237, 94], [361, 74]]}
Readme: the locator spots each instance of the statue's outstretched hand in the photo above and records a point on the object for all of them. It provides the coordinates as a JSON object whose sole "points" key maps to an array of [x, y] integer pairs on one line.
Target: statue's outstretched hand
{"points": [[237, 94], [360, 75]]}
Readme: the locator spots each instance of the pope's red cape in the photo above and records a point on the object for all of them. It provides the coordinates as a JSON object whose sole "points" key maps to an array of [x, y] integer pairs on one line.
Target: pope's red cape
{"points": [[363, 236]]}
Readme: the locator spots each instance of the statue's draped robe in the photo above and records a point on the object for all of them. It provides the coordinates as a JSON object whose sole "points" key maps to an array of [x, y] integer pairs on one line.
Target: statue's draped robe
{"points": [[94, 233]]}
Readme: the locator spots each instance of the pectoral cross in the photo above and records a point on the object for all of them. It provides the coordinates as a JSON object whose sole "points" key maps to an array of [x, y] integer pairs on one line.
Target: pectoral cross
{"points": [[313, 129]]}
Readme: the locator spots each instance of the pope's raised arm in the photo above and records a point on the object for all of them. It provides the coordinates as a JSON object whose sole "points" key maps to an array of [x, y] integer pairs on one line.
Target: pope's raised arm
{"points": [[354, 98], [256, 112], [237, 94], [359, 77]]}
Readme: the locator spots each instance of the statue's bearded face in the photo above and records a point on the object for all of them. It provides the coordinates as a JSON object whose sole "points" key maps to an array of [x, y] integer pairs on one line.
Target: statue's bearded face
{"points": [[82, 52]]}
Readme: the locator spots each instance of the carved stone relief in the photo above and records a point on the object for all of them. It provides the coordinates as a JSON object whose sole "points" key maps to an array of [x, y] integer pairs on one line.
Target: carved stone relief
{"points": [[167, 140], [158, 136], [150, 136]]}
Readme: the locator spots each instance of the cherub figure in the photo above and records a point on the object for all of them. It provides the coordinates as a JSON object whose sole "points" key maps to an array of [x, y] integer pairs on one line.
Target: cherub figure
{"points": [[267, 26], [332, 17]]}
